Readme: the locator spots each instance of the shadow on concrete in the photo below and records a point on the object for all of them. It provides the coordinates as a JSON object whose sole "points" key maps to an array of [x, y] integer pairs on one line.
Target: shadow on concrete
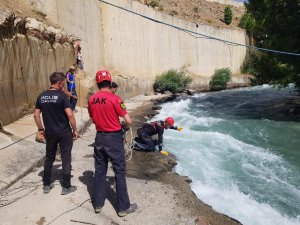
{"points": [[87, 179], [56, 174]]}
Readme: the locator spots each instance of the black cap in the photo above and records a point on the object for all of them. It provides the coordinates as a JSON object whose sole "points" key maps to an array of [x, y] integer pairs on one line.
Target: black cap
{"points": [[114, 85]]}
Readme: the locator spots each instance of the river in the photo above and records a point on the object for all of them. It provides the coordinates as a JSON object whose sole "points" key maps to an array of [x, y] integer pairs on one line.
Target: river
{"points": [[241, 148]]}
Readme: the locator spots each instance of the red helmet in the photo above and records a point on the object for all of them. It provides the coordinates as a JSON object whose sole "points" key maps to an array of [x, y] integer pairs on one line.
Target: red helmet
{"points": [[103, 75], [170, 121]]}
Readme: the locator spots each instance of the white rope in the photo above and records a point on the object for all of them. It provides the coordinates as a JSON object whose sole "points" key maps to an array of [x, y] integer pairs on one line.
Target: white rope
{"points": [[128, 139]]}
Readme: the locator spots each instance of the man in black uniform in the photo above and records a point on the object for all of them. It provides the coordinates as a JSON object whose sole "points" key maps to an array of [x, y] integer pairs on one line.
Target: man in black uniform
{"points": [[145, 142], [57, 117]]}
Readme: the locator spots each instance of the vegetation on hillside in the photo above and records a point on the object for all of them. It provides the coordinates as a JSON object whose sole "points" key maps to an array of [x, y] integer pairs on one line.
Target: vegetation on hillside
{"points": [[274, 24], [197, 11], [228, 15], [172, 80]]}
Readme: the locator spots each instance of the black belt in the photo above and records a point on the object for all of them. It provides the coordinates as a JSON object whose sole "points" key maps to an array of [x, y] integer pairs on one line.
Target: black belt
{"points": [[107, 132]]}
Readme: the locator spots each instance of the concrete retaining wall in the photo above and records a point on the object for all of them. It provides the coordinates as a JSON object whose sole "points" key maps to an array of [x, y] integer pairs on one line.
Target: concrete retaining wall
{"points": [[81, 18], [133, 48], [140, 47], [121, 41], [26, 64]]}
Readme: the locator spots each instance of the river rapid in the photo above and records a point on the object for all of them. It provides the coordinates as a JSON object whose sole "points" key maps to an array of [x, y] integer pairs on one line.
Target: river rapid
{"points": [[241, 148]]}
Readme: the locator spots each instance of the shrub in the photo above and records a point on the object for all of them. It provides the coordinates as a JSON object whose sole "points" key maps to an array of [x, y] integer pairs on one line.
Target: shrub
{"points": [[174, 12], [172, 80], [227, 15], [154, 3], [220, 79]]}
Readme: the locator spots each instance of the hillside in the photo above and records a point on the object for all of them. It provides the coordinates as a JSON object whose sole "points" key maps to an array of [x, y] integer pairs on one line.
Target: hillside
{"points": [[197, 11], [20, 8]]}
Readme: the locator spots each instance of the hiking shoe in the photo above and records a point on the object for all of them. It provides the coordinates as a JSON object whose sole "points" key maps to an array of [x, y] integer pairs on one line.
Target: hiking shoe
{"points": [[131, 209], [68, 190], [134, 143], [47, 188], [98, 209]]}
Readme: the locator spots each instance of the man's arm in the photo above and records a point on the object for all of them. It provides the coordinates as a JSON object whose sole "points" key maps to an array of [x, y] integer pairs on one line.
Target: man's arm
{"points": [[72, 120], [176, 128], [128, 121], [37, 119], [68, 79]]}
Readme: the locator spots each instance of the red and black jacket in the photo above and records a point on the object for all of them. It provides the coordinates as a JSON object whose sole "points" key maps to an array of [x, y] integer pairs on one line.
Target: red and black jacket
{"points": [[153, 128]]}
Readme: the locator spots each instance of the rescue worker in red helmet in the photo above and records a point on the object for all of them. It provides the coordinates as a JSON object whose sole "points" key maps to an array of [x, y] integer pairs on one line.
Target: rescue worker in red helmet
{"points": [[144, 140], [105, 108]]}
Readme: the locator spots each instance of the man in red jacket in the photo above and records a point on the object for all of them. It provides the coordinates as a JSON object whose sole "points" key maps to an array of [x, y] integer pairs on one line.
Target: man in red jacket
{"points": [[105, 108], [147, 130]]}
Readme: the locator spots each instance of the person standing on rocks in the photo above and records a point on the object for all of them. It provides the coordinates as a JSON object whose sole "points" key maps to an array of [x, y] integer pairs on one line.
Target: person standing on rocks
{"points": [[105, 108], [57, 118], [72, 87]]}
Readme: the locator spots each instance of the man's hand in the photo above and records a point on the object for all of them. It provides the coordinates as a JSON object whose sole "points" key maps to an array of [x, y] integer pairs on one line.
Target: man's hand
{"points": [[179, 128], [160, 146], [75, 135], [40, 137]]}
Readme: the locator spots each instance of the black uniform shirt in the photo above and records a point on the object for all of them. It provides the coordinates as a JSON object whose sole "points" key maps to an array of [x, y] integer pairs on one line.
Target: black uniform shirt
{"points": [[52, 104]]}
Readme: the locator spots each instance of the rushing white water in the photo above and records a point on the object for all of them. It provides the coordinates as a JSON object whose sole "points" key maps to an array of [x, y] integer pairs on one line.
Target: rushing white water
{"points": [[244, 165]]}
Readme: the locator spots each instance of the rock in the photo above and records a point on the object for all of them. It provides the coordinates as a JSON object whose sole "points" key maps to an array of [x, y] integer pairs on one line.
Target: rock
{"points": [[156, 107], [190, 92], [201, 221], [187, 179], [148, 93], [168, 93]]}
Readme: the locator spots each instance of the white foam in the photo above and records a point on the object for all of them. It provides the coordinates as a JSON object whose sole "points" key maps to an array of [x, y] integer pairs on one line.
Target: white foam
{"points": [[244, 181], [231, 201], [205, 157], [178, 110]]}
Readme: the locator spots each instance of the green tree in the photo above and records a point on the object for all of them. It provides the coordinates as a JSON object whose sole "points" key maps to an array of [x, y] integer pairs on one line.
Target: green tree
{"points": [[247, 22], [277, 27], [228, 15]]}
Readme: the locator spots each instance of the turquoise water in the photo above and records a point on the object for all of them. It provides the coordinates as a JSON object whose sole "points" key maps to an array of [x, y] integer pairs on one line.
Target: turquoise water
{"points": [[241, 148]]}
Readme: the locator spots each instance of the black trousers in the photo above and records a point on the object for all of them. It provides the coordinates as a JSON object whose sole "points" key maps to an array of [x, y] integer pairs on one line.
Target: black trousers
{"points": [[110, 146], [65, 142], [147, 143], [73, 101]]}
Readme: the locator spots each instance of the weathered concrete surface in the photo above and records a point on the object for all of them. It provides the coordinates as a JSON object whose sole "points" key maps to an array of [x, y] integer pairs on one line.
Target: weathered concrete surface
{"points": [[83, 20], [136, 49], [26, 64], [20, 158], [134, 45]]}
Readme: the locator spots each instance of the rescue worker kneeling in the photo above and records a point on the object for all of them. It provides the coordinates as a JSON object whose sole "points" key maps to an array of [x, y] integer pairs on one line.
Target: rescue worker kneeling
{"points": [[105, 108], [144, 141]]}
